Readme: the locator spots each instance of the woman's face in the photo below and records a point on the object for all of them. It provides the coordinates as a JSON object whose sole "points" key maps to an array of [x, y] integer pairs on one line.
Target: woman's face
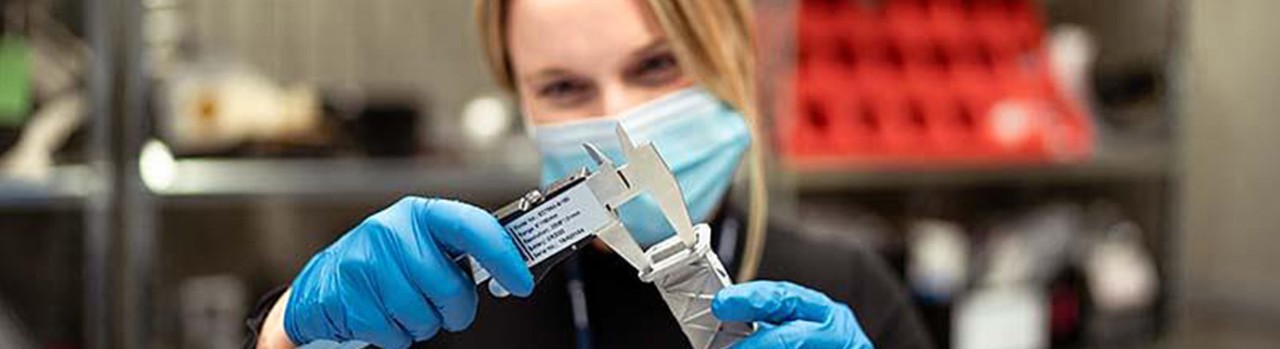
{"points": [[577, 59]]}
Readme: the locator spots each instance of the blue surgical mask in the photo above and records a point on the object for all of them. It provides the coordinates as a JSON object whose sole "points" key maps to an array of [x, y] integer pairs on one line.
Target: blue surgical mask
{"points": [[700, 137]]}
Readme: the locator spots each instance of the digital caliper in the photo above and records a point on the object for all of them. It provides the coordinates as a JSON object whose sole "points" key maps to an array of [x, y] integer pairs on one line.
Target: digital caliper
{"points": [[549, 225]]}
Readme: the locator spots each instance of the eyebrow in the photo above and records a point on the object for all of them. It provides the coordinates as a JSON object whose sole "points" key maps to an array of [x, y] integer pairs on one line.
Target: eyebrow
{"points": [[548, 73], [656, 45]]}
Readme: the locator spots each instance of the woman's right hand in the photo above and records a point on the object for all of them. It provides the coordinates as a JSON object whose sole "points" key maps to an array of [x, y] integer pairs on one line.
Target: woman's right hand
{"points": [[391, 281]]}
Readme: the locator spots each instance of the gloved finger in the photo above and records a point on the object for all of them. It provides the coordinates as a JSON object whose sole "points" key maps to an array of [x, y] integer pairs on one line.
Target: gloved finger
{"points": [[472, 230], [496, 289], [414, 247], [306, 319], [366, 318], [770, 301], [407, 306], [797, 334]]}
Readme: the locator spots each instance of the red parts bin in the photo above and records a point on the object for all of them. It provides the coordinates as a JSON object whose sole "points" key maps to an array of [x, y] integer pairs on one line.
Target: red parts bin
{"points": [[926, 82]]}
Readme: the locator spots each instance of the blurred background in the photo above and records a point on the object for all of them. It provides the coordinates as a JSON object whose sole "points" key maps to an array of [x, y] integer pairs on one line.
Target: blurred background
{"points": [[1041, 173]]}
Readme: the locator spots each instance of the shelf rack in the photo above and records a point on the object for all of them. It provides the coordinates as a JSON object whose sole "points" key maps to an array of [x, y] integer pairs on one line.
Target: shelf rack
{"points": [[1129, 161], [336, 179], [65, 186]]}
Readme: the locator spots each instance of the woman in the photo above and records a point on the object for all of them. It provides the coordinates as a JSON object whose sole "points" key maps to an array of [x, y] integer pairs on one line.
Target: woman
{"points": [[677, 73]]}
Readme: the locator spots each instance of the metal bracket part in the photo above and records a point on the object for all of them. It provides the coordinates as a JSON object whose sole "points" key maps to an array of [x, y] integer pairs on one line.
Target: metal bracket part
{"points": [[688, 280]]}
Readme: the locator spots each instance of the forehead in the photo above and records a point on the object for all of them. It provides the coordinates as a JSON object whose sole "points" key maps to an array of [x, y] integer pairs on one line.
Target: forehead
{"points": [[575, 33]]}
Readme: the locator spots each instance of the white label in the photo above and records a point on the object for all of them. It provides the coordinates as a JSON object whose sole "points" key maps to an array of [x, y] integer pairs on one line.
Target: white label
{"points": [[558, 223], [552, 226]]}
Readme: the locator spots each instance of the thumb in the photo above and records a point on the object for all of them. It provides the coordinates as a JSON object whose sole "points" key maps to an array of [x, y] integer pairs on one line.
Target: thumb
{"points": [[464, 228], [770, 301]]}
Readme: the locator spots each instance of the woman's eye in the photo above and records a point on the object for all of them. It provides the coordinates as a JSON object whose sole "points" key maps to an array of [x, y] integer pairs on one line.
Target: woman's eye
{"points": [[563, 90], [656, 70]]}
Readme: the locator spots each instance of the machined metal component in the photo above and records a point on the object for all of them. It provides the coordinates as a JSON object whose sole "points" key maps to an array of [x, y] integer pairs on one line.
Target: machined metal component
{"points": [[688, 280]]}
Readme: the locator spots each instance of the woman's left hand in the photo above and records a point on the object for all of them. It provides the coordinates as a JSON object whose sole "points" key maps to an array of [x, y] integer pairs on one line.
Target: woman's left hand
{"points": [[790, 316]]}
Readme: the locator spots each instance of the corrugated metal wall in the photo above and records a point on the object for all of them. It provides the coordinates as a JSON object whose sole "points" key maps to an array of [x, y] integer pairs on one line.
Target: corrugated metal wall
{"points": [[428, 47]]}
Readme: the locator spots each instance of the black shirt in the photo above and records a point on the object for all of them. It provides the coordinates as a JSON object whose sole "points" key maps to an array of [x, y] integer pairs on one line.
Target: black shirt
{"points": [[626, 313]]}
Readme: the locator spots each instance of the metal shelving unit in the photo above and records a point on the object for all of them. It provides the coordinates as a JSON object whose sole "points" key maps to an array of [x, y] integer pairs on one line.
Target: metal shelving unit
{"points": [[201, 179], [82, 190], [66, 185], [147, 284], [1131, 161], [1138, 171]]}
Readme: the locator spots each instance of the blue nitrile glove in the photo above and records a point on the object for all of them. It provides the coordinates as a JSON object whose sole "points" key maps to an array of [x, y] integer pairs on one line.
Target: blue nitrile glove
{"points": [[391, 281], [790, 316]]}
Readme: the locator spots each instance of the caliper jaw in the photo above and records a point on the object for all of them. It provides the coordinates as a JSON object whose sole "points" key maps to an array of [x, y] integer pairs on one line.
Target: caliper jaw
{"points": [[683, 267]]}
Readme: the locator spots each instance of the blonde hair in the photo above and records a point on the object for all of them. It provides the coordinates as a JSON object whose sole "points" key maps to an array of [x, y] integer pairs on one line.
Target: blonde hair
{"points": [[714, 43]]}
